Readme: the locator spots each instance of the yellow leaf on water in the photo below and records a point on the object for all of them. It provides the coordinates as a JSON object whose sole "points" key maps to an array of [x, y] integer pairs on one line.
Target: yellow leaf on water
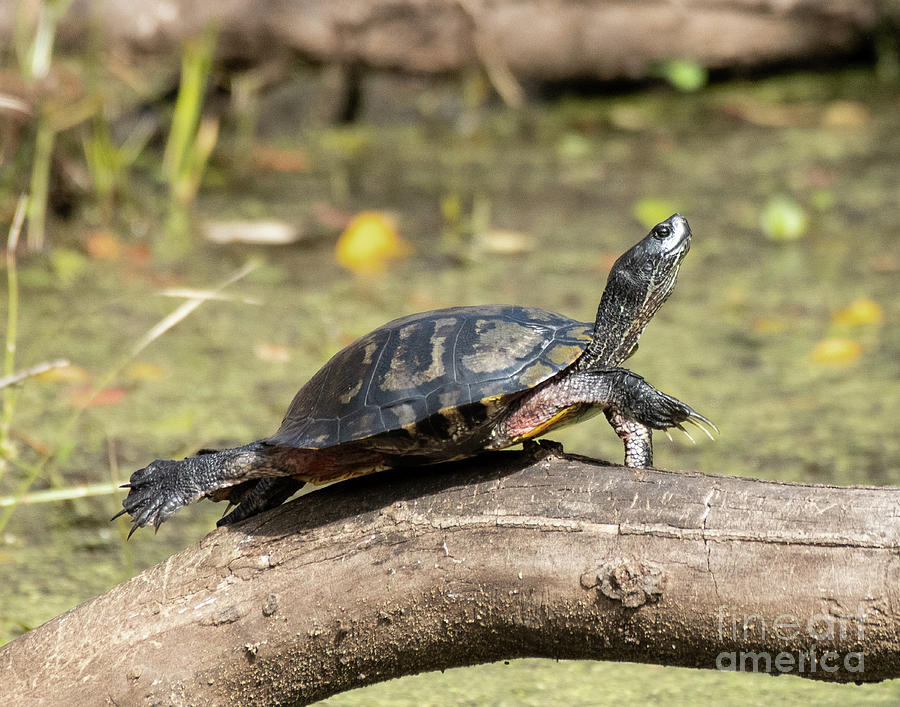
{"points": [[103, 245], [650, 211], [861, 311], [369, 242], [143, 370], [846, 114], [836, 352], [783, 219], [67, 374]]}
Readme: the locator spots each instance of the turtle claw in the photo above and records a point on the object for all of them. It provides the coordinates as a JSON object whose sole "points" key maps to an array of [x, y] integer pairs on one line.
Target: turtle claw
{"points": [[665, 412], [707, 432], [120, 513], [686, 433], [704, 424]]}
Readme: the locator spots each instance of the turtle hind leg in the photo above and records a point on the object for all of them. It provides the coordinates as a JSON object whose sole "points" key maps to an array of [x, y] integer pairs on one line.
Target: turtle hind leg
{"points": [[256, 496], [165, 485]]}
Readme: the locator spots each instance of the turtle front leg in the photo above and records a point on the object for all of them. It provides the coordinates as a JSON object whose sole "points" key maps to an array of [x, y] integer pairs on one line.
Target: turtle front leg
{"points": [[637, 438], [632, 406], [645, 410], [256, 496]]}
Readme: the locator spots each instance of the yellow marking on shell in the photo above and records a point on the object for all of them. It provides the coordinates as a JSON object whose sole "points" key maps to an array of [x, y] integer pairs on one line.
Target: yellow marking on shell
{"points": [[536, 373], [406, 372], [447, 400], [348, 396], [438, 345], [456, 423], [406, 414], [492, 336], [369, 353], [586, 334], [563, 354]]}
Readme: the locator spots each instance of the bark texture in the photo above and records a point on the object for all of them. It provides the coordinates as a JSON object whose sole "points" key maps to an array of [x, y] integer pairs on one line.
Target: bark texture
{"points": [[537, 39], [509, 555]]}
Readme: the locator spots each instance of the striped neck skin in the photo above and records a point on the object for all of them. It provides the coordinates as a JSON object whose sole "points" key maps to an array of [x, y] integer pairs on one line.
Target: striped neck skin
{"points": [[639, 283]]}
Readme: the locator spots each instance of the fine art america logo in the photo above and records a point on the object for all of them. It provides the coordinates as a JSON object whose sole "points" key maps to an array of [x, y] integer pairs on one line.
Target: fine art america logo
{"points": [[804, 636]]}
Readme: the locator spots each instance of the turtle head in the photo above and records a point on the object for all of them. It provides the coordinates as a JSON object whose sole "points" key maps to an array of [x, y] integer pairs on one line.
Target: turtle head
{"points": [[638, 284], [648, 270]]}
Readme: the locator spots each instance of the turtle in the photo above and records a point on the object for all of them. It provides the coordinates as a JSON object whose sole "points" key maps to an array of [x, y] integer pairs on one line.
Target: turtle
{"points": [[444, 385]]}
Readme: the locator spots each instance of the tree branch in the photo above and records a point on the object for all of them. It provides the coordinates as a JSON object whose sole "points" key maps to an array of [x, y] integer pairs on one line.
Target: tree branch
{"points": [[508, 555]]}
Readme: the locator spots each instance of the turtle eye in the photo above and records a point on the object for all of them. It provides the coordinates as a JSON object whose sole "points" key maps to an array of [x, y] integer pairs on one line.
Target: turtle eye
{"points": [[662, 231]]}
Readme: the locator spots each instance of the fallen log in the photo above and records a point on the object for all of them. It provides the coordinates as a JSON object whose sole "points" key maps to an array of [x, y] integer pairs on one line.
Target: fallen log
{"points": [[512, 554], [536, 39]]}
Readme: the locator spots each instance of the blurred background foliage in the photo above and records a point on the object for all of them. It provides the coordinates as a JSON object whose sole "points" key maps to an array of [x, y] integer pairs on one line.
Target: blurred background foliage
{"points": [[189, 240]]}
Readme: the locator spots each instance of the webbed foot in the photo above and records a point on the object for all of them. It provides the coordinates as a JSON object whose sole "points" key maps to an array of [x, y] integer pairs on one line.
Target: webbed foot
{"points": [[660, 411], [652, 409], [155, 493]]}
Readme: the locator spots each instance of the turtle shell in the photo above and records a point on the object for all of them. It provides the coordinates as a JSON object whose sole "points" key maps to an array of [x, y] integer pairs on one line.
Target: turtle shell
{"points": [[446, 371]]}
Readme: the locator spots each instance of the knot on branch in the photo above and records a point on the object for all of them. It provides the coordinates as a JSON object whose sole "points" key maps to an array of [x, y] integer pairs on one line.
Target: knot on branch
{"points": [[542, 449], [271, 605], [630, 581]]}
